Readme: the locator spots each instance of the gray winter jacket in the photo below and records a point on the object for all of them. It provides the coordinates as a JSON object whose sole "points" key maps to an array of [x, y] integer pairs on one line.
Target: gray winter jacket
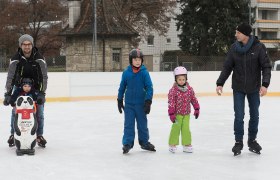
{"points": [[251, 69]]}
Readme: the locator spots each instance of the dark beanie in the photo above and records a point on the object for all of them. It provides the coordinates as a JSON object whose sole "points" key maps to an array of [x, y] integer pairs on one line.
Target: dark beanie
{"points": [[245, 29]]}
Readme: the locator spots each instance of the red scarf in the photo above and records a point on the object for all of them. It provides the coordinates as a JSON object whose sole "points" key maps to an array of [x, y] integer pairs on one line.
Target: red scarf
{"points": [[135, 69]]}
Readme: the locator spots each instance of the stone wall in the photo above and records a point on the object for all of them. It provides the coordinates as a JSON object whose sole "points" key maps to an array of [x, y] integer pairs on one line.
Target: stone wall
{"points": [[80, 57]]}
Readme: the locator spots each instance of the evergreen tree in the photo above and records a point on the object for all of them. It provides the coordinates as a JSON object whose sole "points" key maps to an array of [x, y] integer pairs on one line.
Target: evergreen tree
{"points": [[208, 27]]}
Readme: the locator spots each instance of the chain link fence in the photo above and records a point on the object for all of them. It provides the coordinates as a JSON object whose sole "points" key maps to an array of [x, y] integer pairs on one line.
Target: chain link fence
{"points": [[197, 63], [168, 63], [55, 64]]}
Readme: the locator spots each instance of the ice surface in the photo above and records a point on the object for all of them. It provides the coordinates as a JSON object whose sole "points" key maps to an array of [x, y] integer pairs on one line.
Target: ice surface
{"points": [[84, 142]]}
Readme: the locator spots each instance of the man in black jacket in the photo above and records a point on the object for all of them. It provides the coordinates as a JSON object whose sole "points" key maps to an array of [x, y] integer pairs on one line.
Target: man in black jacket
{"points": [[28, 63], [251, 67]]}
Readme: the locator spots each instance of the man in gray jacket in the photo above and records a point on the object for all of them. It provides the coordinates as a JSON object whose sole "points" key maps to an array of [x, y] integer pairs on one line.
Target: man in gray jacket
{"points": [[251, 67], [28, 63]]}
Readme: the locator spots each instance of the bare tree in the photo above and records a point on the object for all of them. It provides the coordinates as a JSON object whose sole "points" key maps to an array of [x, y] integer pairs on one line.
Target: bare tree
{"points": [[42, 19], [147, 15]]}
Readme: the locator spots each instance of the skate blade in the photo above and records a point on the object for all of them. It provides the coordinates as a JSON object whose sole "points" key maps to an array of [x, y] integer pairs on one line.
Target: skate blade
{"points": [[41, 145], [152, 150], [254, 151], [11, 145], [237, 153], [125, 151]]}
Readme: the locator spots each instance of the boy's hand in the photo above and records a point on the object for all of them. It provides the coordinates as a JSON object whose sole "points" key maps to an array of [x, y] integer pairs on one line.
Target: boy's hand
{"points": [[147, 106], [120, 105], [7, 99], [13, 103]]}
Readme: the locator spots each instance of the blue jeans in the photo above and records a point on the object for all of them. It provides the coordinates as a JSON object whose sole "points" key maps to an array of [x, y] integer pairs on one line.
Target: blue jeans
{"points": [[239, 106], [39, 118], [132, 112]]}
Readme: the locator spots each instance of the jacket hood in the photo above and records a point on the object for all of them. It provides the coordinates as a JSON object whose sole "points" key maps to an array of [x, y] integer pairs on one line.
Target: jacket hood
{"points": [[34, 51]]}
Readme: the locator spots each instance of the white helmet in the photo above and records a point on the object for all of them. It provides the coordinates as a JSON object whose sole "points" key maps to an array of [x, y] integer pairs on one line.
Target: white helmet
{"points": [[180, 70]]}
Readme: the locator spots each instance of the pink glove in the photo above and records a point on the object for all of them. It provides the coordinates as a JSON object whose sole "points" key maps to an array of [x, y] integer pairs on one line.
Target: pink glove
{"points": [[172, 118], [196, 113], [172, 115], [196, 110]]}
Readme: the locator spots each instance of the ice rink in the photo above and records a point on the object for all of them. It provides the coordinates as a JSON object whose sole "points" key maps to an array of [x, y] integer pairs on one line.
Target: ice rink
{"points": [[84, 142]]}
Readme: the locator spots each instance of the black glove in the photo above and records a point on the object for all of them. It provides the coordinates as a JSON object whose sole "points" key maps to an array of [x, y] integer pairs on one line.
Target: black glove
{"points": [[13, 103], [41, 98], [7, 99], [147, 106], [120, 105]]}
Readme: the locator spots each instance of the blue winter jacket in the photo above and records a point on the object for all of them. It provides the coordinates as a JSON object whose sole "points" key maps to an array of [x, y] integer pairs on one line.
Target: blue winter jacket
{"points": [[137, 87]]}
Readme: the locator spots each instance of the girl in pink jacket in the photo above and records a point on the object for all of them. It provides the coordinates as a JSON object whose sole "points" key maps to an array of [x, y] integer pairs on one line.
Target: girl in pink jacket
{"points": [[180, 98]]}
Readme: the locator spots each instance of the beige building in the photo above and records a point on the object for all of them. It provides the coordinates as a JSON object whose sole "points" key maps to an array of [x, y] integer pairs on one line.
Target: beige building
{"points": [[114, 37], [267, 21]]}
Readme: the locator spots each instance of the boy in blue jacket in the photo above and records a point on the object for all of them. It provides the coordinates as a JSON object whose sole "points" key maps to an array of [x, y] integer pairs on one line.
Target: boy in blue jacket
{"points": [[137, 87]]}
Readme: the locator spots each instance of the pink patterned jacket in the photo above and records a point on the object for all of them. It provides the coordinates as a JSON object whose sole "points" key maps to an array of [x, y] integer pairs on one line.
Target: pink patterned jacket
{"points": [[179, 102]]}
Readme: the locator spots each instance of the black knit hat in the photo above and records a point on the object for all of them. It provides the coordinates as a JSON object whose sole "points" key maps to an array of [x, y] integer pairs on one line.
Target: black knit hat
{"points": [[245, 29], [27, 81]]}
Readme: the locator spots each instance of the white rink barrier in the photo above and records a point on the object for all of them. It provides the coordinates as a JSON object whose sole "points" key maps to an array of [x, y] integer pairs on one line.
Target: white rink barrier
{"points": [[70, 86]]}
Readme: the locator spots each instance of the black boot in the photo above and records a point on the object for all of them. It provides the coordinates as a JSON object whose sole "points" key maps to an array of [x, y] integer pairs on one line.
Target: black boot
{"points": [[238, 146], [41, 141], [254, 146], [148, 146], [126, 148], [11, 140]]}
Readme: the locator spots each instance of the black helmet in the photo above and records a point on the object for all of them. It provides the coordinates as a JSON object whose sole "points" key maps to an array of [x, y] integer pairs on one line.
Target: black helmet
{"points": [[134, 53], [25, 81]]}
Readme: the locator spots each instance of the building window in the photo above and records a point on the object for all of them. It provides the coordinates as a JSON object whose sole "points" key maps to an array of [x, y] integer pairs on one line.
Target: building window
{"points": [[168, 40], [264, 14], [150, 40], [268, 35], [117, 54]]}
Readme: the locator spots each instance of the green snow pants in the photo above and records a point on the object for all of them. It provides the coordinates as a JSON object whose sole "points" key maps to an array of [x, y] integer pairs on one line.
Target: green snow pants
{"points": [[182, 125]]}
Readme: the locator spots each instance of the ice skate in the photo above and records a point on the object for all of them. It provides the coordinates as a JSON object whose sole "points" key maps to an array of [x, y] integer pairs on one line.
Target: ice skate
{"points": [[11, 140], [172, 148], [41, 141], [238, 146], [254, 146], [126, 148], [148, 146], [188, 149]]}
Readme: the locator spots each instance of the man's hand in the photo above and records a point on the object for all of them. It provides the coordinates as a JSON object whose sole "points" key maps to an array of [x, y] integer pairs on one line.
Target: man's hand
{"points": [[219, 90], [263, 91], [7, 99]]}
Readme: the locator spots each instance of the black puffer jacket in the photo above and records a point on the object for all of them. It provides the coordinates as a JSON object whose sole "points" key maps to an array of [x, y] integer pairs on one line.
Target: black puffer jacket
{"points": [[247, 68], [34, 67]]}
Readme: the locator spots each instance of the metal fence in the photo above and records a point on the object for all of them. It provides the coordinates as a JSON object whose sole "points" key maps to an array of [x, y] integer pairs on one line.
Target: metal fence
{"points": [[55, 64], [193, 63], [168, 63], [196, 63]]}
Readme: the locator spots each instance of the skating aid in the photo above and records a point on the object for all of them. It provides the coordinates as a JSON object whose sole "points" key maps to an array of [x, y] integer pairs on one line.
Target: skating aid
{"points": [[25, 126]]}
